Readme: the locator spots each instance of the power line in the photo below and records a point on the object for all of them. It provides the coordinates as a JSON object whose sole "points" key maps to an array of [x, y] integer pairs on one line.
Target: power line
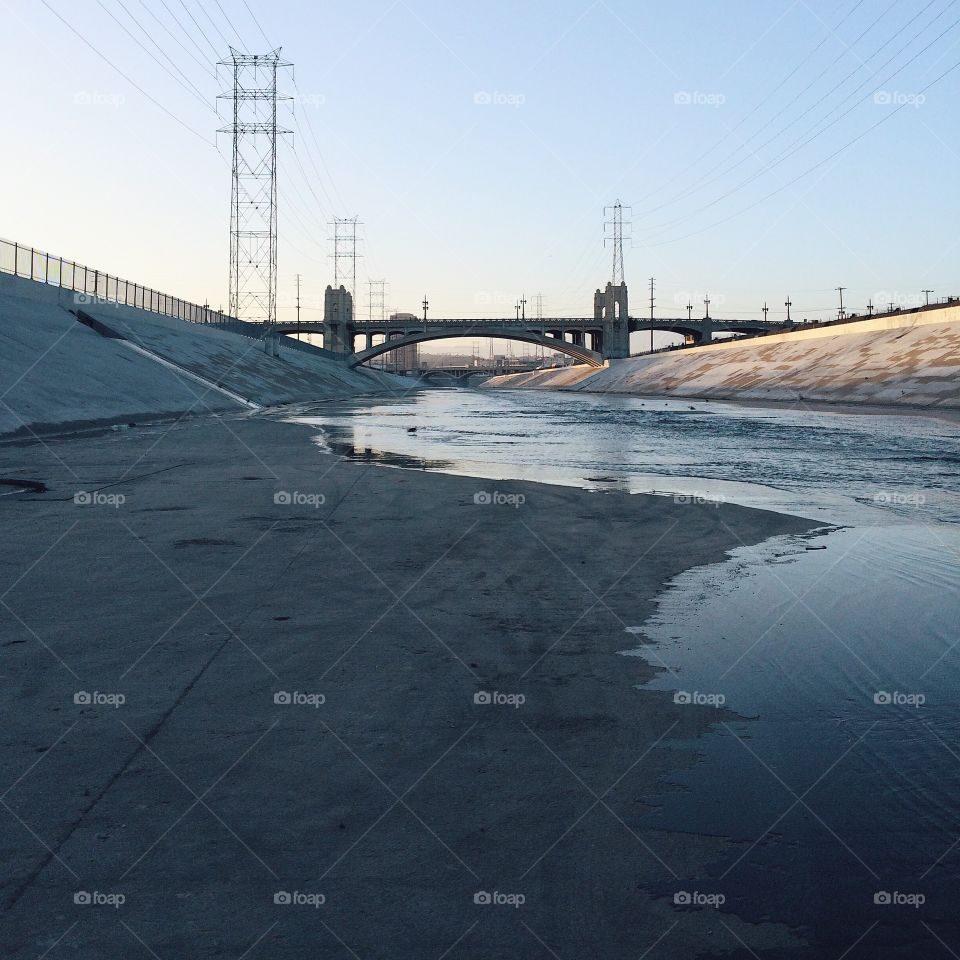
{"points": [[755, 152], [197, 25], [709, 153], [797, 145], [177, 40], [816, 166], [187, 84], [132, 83]]}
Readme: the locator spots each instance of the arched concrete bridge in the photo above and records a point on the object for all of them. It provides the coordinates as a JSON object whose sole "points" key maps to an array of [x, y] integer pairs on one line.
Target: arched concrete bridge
{"points": [[592, 340]]}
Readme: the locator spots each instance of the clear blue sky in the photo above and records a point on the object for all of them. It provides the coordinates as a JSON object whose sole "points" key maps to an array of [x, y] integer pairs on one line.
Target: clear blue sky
{"points": [[677, 109]]}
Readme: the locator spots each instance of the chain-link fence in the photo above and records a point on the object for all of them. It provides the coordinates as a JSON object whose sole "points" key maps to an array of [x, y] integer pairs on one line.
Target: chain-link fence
{"points": [[96, 285]]}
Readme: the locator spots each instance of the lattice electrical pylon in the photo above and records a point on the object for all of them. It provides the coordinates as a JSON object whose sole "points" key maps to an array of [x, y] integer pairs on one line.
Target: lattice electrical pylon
{"points": [[613, 233], [377, 300], [253, 196], [345, 254]]}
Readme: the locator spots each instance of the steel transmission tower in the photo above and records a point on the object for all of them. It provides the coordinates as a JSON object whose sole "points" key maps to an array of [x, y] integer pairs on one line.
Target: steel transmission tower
{"points": [[614, 234], [377, 300], [253, 198], [345, 254]]}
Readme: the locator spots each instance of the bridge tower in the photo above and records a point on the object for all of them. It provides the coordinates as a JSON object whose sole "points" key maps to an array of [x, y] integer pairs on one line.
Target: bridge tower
{"points": [[612, 315], [338, 325]]}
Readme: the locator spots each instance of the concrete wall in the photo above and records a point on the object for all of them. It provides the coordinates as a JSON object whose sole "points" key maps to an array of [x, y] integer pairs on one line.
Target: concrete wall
{"points": [[911, 359], [56, 371]]}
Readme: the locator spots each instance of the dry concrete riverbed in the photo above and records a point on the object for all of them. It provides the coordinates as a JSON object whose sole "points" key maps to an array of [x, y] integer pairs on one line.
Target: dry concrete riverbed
{"points": [[262, 701]]}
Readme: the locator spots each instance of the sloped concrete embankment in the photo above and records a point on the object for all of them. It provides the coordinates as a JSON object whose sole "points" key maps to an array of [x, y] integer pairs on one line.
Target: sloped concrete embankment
{"points": [[910, 359], [56, 371]]}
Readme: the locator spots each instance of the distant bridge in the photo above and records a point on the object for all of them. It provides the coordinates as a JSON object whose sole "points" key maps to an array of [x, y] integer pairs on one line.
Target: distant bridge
{"points": [[577, 337], [591, 340]]}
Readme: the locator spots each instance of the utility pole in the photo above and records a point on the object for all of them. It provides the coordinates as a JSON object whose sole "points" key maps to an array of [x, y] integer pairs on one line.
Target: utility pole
{"points": [[298, 306], [840, 313], [523, 306], [788, 305], [653, 283], [926, 294], [870, 308], [766, 311], [516, 307], [253, 195], [426, 305], [689, 310]]}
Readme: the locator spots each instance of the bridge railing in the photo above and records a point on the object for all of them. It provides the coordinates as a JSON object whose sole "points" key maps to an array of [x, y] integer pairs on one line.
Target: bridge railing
{"points": [[92, 284]]}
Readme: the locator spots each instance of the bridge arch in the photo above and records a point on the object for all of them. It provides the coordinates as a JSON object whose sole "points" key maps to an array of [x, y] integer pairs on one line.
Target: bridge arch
{"points": [[577, 351]]}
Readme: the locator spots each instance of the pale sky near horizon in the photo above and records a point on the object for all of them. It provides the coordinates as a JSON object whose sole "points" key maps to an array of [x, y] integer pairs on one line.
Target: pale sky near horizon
{"points": [[479, 145]]}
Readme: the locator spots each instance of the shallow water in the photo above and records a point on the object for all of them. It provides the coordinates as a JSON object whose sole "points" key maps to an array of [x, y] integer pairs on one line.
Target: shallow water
{"points": [[835, 767], [839, 467]]}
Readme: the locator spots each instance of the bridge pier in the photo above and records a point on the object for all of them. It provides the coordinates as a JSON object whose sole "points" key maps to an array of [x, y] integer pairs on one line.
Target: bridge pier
{"points": [[338, 327], [612, 315]]}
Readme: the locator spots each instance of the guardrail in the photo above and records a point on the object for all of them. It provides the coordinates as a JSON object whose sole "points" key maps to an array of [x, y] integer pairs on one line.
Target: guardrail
{"points": [[33, 264]]}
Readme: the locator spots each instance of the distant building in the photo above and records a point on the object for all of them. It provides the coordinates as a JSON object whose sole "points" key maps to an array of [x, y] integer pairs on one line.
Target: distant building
{"points": [[406, 358]]}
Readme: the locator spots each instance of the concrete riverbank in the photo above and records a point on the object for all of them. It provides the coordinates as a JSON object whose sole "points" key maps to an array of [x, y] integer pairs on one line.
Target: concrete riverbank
{"points": [[911, 360], [262, 700], [114, 364]]}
